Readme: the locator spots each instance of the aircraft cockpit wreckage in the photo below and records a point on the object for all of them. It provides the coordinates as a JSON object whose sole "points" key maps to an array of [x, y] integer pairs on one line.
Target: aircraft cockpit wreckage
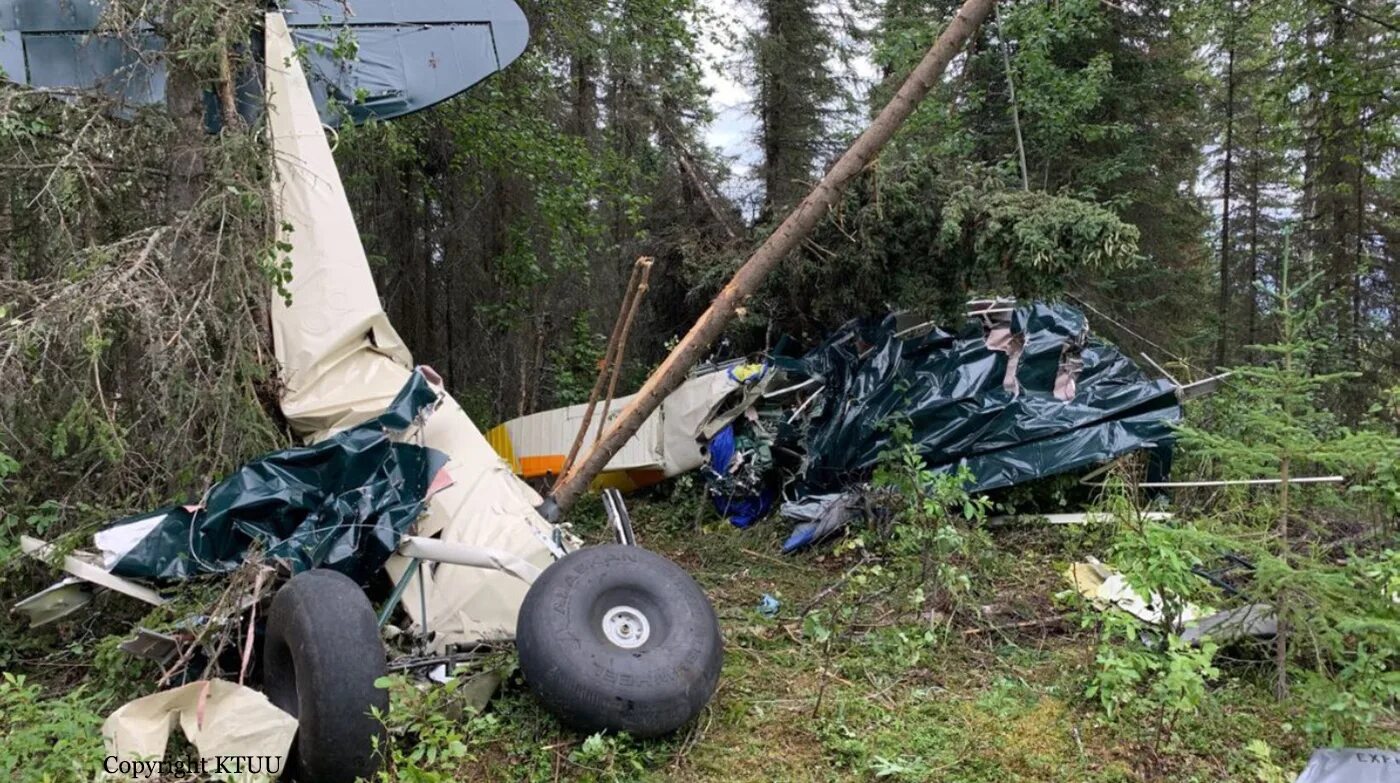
{"points": [[393, 476], [395, 484]]}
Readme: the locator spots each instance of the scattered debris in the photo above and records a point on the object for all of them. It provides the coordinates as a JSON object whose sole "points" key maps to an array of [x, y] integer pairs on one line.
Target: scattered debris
{"points": [[220, 718], [152, 645], [1352, 765], [1106, 588], [1109, 589], [88, 567], [821, 516], [56, 602], [768, 606], [1255, 621]]}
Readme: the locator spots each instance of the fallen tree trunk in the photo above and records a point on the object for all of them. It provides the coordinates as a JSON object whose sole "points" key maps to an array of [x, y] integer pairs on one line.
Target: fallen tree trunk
{"points": [[784, 240]]}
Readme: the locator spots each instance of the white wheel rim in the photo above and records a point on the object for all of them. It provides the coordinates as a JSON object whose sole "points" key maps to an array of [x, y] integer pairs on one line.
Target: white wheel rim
{"points": [[626, 627]]}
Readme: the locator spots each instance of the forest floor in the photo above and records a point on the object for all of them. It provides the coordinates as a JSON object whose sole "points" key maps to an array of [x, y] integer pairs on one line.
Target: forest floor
{"points": [[994, 698], [960, 701]]}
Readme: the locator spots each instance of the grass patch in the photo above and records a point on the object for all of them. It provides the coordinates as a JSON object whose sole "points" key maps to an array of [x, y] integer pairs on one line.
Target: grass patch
{"points": [[888, 694]]}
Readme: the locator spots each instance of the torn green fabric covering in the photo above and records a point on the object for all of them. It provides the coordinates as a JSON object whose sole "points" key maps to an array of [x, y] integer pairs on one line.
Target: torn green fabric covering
{"points": [[951, 392], [343, 504]]}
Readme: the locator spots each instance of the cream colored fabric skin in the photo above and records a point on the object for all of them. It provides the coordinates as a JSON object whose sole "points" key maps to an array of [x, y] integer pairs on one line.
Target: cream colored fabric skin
{"points": [[666, 441], [233, 721], [342, 363]]}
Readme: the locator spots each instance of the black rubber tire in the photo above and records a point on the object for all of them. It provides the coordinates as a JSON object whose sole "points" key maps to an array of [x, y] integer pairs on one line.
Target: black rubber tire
{"points": [[593, 684], [321, 657]]}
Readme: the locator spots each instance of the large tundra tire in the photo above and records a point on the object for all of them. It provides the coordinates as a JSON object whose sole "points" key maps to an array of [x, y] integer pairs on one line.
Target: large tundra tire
{"points": [[618, 638], [321, 657]]}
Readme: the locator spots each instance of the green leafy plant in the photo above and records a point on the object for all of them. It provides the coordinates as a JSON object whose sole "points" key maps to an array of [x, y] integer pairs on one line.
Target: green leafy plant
{"points": [[431, 730], [47, 740], [610, 757], [931, 519]]}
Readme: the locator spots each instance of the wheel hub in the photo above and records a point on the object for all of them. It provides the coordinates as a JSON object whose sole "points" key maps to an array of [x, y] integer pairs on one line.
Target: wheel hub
{"points": [[626, 627]]}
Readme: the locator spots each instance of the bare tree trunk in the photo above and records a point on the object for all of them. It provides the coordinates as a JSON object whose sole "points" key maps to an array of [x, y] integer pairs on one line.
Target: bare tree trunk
{"points": [[1281, 635], [1225, 239], [585, 110], [690, 169], [1015, 110], [1254, 174], [783, 241]]}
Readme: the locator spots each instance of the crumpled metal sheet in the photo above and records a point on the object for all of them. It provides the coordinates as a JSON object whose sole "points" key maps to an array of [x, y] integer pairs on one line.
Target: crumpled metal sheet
{"points": [[409, 54], [221, 719], [1352, 765], [953, 393], [1107, 589], [343, 503]]}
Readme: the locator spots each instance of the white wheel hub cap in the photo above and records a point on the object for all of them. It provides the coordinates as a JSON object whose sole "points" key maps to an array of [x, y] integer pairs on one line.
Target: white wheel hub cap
{"points": [[626, 627]]}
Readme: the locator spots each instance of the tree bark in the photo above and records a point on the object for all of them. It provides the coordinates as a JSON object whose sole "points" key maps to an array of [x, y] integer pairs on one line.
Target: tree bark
{"points": [[784, 240], [1225, 239], [1253, 292], [1015, 110], [603, 368], [641, 292]]}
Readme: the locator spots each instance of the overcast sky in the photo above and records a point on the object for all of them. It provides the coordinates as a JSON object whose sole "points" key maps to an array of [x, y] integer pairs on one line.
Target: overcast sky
{"points": [[734, 130]]}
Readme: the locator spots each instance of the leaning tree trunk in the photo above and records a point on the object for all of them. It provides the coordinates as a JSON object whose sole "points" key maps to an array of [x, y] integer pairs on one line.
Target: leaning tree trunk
{"points": [[777, 247]]}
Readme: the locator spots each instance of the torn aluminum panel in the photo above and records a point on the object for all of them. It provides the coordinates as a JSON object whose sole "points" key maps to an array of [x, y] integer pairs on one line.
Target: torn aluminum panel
{"points": [[55, 602], [87, 567], [1352, 765], [819, 517], [151, 645], [220, 718], [341, 362], [1251, 620], [408, 54], [1106, 588]]}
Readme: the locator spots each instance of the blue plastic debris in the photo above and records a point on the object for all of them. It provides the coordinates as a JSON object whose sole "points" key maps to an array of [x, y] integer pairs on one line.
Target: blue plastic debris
{"points": [[768, 606], [741, 508]]}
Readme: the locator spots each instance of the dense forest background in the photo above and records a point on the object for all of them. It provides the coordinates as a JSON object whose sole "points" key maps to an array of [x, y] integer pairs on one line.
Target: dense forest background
{"points": [[503, 222], [1141, 160]]}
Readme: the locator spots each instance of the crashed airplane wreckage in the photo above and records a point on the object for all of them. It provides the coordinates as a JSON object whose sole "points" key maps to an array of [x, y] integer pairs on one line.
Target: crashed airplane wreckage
{"points": [[1017, 394], [394, 477]]}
